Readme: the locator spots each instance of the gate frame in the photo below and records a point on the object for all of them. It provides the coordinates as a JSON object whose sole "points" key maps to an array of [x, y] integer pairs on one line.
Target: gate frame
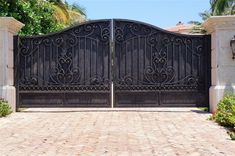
{"points": [[227, 27], [16, 51], [205, 38]]}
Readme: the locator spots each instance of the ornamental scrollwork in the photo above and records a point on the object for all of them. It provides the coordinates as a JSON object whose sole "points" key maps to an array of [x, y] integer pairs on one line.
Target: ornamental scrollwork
{"points": [[64, 73], [126, 80], [159, 73], [165, 53], [56, 59]]}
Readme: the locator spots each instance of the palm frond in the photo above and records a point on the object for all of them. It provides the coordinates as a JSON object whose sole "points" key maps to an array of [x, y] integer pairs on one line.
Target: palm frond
{"points": [[76, 17], [79, 9], [219, 7], [61, 13], [233, 9], [205, 15], [194, 22]]}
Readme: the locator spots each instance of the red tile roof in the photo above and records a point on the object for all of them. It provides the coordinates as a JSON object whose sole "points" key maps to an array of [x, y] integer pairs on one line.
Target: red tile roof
{"points": [[181, 28]]}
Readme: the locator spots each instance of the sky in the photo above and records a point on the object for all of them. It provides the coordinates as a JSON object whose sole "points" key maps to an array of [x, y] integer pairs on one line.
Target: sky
{"points": [[161, 13]]}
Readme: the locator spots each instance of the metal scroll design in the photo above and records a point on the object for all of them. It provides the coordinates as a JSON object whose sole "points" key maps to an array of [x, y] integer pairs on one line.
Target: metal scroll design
{"points": [[50, 62], [64, 73], [159, 73]]}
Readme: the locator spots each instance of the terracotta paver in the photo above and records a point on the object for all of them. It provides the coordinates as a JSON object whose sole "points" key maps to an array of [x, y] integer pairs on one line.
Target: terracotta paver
{"points": [[141, 132]]}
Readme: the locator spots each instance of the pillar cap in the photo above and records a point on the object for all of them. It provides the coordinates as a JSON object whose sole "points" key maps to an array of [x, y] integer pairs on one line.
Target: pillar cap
{"points": [[10, 24], [219, 22]]}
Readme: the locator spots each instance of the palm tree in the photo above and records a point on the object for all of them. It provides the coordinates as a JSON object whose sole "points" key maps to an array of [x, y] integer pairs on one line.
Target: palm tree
{"points": [[222, 7], [68, 14], [218, 8], [205, 15], [77, 14], [61, 13]]}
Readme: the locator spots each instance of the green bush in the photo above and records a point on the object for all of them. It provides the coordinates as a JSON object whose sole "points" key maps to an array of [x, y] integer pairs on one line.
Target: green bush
{"points": [[225, 114], [232, 135], [5, 109], [37, 15]]}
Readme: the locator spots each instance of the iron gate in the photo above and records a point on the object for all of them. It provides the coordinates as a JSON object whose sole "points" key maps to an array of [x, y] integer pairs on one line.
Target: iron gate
{"points": [[154, 67], [148, 66], [66, 69]]}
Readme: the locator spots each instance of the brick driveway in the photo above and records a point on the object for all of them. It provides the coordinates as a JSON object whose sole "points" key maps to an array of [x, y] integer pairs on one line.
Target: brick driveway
{"points": [[144, 132]]}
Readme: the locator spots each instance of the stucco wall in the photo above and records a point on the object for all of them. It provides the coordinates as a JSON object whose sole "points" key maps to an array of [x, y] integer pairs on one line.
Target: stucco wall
{"points": [[222, 30], [8, 27]]}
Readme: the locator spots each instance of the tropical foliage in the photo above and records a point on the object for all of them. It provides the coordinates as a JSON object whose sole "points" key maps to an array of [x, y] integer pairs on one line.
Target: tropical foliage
{"points": [[5, 109], [218, 8], [222, 7], [68, 14], [225, 114], [42, 16]]}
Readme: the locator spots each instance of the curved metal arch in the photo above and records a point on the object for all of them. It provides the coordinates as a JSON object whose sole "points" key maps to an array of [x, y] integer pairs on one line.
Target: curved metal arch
{"points": [[150, 66], [153, 61], [157, 28], [69, 28]]}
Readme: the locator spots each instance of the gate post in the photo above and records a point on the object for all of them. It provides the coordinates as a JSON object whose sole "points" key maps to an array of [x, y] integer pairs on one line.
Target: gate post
{"points": [[8, 27], [222, 30]]}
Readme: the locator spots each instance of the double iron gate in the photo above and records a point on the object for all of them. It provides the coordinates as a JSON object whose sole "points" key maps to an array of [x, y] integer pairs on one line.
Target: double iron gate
{"points": [[133, 63]]}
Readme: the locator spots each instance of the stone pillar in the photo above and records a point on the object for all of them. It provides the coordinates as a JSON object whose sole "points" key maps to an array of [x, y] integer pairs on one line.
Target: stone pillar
{"points": [[222, 30], [8, 27]]}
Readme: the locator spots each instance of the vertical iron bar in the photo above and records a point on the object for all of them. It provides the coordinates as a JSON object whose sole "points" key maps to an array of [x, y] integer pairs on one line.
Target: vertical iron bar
{"points": [[16, 69], [84, 61], [112, 61]]}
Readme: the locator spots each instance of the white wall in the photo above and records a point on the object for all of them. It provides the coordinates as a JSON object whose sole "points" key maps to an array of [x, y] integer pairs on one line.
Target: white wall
{"points": [[8, 27], [222, 30]]}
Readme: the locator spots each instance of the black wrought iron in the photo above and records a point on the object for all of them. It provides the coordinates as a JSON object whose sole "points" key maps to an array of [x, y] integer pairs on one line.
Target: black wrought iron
{"points": [[155, 62], [75, 60], [151, 67]]}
